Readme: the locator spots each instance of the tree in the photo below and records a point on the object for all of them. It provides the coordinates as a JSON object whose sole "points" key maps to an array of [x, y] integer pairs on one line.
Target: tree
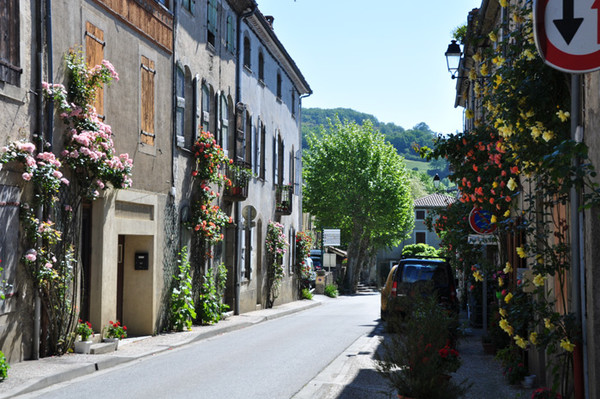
{"points": [[356, 181]]}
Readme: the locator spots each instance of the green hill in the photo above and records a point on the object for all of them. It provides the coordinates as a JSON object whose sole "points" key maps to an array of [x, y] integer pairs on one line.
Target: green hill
{"points": [[402, 139]]}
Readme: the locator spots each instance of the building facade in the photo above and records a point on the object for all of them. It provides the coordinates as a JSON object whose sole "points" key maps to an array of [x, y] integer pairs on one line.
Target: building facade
{"points": [[182, 69]]}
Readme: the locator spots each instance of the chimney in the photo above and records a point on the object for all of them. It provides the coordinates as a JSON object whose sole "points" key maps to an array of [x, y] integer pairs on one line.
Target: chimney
{"points": [[270, 20]]}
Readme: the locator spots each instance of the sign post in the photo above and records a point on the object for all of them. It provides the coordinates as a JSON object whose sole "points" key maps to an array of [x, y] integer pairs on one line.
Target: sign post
{"points": [[567, 34]]}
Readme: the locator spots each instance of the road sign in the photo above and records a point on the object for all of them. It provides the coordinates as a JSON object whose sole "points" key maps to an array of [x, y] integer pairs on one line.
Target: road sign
{"points": [[331, 237], [481, 221], [567, 34]]}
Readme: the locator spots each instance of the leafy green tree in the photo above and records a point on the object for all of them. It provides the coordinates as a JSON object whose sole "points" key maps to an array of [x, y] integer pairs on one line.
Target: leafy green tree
{"points": [[420, 250], [355, 180]]}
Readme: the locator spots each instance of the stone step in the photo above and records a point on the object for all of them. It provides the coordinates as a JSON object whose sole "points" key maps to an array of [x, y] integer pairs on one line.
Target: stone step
{"points": [[103, 347]]}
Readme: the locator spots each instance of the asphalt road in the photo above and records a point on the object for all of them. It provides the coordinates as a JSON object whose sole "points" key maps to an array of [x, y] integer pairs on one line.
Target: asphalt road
{"points": [[274, 359]]}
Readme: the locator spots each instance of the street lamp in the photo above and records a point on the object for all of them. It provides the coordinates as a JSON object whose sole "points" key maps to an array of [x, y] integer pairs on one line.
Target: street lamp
{"points": [[453, 55], [436, 181]]}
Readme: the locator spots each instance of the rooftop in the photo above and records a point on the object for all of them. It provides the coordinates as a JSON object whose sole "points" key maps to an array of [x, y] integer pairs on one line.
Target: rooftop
{"points": [[434, 201]]}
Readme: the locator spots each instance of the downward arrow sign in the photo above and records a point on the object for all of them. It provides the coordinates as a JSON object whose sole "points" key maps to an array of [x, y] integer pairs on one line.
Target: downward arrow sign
{"points": [[568, 25]]}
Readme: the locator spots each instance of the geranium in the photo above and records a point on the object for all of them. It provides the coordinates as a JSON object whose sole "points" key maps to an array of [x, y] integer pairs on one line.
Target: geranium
{"points": [[450, 359], [84, 329], [115, 330], [545, 393]]}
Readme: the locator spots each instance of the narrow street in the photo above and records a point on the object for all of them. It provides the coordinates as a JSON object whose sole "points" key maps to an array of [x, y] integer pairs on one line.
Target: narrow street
{"points": [[274, 359]]}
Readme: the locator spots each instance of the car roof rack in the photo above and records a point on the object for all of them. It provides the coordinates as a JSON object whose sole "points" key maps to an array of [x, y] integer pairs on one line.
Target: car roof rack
{"points": [[430, 257]]}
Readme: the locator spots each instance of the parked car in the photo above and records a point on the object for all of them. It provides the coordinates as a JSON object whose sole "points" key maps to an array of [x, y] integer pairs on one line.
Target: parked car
{"points": [[312, 274], [409, 273], [317, 258]]}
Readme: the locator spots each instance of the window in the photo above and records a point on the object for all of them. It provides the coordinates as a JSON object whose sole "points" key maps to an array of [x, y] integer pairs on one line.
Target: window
{"points": [[263, 137], [180, 105], [293, 104], [278, 86], [280, 161], [420, 237], [256, 153], [189, 5], [224, 119], [147, 73], [94, 54], [230, 38], [420, 214], [205, 108], [248, 140], [247, 52], [212, 22], [10, 71], [291, 167], [261, 67]]}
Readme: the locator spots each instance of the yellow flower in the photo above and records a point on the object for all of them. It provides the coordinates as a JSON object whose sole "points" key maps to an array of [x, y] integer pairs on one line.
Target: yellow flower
{"points": [[497, 81], [498, 61], [540, 259], [500, 281], [508, 297], [507, 213], [505, 131], [533, 338], [506, 327], [548, 324], [469, 114], [536, 132], [483, 70], [521, 252], [521, 343], [502, 312], [494, 184], [472, 74], [477, 57], [548, 135], [563, 116], [507, 268], [567, 345], [530, 114], [538, 280], [493, 219], [512, 184], [503, 3], [493, 37], [477, 275]]}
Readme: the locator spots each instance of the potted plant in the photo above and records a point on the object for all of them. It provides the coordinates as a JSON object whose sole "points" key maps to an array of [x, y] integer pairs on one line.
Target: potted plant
{"points": [[418, 358], [114, 332], [239, 177], [84, 331], [545, 393]]}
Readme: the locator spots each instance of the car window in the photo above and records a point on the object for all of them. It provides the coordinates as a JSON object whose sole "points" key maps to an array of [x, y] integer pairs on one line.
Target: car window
{"points": [[419, 272]]}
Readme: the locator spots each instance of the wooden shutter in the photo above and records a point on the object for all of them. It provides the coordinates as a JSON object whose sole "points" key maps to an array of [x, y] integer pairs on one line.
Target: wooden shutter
{"points": [[197, 109], [94, 54], [147, 74], [10, 70], [240, 125]]}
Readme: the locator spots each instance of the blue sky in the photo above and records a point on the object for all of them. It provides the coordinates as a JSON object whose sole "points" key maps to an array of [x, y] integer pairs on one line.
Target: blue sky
{"points": [[381, 57]]}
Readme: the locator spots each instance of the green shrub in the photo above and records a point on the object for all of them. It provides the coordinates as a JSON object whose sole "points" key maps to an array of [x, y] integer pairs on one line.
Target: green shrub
{"points": [[331, 290], [306, 294], [420, 250], [4, 366], [182, 303], [211, 305]]}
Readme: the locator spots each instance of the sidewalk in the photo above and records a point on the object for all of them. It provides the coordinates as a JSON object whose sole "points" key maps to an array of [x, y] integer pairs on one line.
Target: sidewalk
{"points": [[33, 375], [352, 375]]}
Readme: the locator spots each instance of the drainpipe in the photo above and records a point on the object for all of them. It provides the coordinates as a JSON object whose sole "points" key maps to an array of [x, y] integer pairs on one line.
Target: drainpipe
{"points": [[237, 211], [173, 190], [577, 253]]}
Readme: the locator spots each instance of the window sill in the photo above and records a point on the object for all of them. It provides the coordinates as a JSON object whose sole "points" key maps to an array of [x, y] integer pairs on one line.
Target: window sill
{"points": [[210, 47], [17, 94], [247, 68], [279, 100], [262, 83]]}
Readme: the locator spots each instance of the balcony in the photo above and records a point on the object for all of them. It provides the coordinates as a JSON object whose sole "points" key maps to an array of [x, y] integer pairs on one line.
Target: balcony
{"points": [[239, 173], [283, 199]]}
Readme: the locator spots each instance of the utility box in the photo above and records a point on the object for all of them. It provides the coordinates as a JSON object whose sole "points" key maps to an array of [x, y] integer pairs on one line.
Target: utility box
{"points": [[323, 279]]}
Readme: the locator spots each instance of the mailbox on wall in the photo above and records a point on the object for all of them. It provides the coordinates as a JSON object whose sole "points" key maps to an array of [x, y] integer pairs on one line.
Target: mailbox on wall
{"points": [[141, 261]]}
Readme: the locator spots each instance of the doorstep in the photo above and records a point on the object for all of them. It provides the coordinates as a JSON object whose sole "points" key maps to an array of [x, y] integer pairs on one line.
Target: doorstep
{"points": [[103, 347]]}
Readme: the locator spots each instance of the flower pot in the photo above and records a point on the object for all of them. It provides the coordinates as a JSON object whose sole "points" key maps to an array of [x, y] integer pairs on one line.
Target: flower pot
{"points": [[528, 381], [83, 346], [112, 340]]}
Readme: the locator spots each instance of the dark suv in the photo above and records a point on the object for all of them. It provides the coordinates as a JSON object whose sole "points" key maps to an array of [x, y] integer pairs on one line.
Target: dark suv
{"points": [[411, 273]]}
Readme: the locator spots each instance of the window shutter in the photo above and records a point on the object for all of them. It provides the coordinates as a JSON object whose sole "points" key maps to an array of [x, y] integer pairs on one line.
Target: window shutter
{"points": [[275, 161], [212, 16], [10, 70], [224, 124], [298, 177], [147, 75], [180, 106], [240, 124], [192, 7], [197, 109], [205, 108], [94, 54]]}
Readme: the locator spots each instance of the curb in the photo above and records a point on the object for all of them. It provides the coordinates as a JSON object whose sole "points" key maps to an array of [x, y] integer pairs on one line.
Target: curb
{"points": [[87, 368]]}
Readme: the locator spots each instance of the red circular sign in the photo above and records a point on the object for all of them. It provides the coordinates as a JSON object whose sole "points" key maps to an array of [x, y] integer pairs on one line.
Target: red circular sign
{"points": [[481, 221]]}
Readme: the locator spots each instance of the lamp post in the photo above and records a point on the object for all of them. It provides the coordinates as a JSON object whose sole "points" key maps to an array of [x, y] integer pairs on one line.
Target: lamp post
{"points": [[453, 55]]}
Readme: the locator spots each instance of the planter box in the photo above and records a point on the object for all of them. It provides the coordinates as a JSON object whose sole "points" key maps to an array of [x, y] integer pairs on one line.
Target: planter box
{"points": [[83, 346]]}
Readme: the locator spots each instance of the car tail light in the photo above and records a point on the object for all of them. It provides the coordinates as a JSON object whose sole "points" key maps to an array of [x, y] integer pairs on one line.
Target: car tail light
{"points": [[395, 289]]}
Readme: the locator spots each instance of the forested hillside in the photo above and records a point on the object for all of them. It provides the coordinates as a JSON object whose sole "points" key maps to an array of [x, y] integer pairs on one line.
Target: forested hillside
{"points": [[402, 139]]}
